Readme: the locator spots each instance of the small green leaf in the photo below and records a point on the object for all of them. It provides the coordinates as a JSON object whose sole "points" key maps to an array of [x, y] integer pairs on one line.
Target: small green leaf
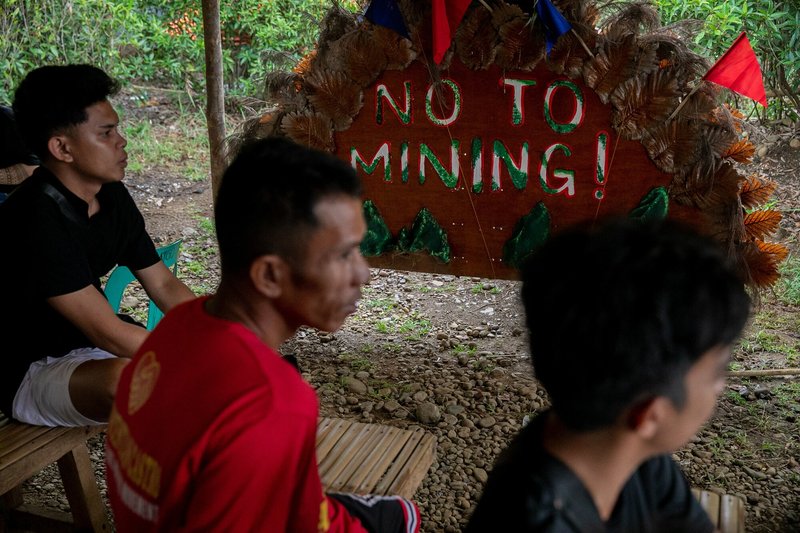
{"points": [[530, 232], [653, 206]]}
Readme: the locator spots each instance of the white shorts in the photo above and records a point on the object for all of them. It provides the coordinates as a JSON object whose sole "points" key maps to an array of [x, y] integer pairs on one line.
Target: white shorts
{"points": [[43, 397]]}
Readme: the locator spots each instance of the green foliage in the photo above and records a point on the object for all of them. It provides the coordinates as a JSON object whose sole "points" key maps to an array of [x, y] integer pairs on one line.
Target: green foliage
{"points": [[413, 325], [772, 26], [788, 288], [156, 40], [38, 32], [182, 145]]}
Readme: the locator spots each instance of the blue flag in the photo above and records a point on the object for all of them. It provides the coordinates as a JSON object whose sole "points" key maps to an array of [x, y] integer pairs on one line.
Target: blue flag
{"points": [[555, 25], [387, 13]]}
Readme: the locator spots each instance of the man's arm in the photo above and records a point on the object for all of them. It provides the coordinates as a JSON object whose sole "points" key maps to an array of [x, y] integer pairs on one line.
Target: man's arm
{"points": [[163, 287], [89, 311]]}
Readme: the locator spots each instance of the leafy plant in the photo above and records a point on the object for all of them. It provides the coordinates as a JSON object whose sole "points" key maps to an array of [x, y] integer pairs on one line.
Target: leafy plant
{"points": [[788, 289], [773, 28], [157, 40]]}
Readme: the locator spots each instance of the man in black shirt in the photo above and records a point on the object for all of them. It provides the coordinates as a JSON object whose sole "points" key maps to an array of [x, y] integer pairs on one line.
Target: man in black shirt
{"points": [[630, 332], [63, 347]]}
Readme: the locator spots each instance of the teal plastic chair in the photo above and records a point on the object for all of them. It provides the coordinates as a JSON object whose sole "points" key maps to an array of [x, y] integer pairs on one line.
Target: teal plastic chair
{"points": [[121, 277]]}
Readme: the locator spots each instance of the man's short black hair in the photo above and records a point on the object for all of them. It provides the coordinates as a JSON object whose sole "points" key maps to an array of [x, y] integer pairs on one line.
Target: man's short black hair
{"points": [[266, 200], [618, 314], [53, 98]]}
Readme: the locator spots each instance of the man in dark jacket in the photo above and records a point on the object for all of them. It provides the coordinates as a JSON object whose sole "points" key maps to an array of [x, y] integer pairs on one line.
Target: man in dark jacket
{"points": [[631, 327]]}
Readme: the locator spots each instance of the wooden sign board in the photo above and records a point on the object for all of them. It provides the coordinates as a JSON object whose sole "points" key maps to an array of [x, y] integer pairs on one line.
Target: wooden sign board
{"points": [[480, 150], [470, 165]]}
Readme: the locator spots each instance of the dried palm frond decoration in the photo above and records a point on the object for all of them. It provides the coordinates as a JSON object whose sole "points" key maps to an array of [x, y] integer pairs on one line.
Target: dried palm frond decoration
{"points": [[639, 70]]}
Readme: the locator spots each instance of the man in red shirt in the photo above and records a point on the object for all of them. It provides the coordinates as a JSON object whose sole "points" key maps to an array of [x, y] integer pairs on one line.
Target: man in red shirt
{"points": [[212, 430]]}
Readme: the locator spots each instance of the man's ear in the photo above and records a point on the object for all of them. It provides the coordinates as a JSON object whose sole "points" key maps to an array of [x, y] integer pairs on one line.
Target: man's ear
{"points": [[268, 274], [58, 146], [646, 417]]}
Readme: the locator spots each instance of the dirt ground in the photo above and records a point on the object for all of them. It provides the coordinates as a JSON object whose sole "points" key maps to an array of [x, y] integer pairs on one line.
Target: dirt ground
{"points": [[449, 354]]}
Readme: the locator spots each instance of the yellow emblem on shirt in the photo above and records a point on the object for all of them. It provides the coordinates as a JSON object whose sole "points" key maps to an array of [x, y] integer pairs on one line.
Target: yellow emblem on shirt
{"points": [[143, 381], [324, 520]]}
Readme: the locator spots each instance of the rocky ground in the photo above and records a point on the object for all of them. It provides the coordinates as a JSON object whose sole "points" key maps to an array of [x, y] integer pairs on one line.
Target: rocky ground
{"points": [[449, 355]]}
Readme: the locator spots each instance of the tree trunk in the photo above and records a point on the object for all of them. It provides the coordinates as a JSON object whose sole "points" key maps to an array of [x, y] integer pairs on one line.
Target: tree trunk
{"points": [[215, 92]]}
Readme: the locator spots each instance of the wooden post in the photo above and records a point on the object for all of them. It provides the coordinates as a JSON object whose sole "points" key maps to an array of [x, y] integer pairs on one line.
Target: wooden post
{"points": [[215, 92]]}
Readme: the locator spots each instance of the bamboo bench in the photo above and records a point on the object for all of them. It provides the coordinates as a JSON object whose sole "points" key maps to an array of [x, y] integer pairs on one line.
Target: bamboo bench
{"points": [[371, 458], [24, 451], [725, 510]]}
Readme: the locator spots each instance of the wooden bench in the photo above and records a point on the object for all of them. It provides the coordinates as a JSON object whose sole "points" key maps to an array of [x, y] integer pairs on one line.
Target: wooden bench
{"points": [[371, 458], [24, 451], [725, 510], [353, 457]]}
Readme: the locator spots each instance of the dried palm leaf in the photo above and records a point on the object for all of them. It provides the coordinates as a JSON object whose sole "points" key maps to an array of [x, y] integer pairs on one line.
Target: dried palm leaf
{"points": [[759, 224], [778, 251], [571, 9], [568, 55], [684, 30], [723, 187], [518, 48], [639, 104], [714, 141], [415, 13], [741, 151], [332, 94], [710, 191], [671, 50], [588, 35], [631, 19], [354, 55], [277, 81], [309, 128], [336, 23], [505, 13], [711, 144], [762, 261], [588, 15], [699, 107], [724, 223], [253, 129], [284, 89], [281, 60], [397, 49], [672, 145], [304, 65], [733, 111], [475, 38], [531, 52], [723, 116], [612, 65], [756, 191]]}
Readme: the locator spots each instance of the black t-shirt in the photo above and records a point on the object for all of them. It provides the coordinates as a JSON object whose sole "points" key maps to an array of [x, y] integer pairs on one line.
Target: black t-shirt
{"points": [[51, 247], [529, 490]]}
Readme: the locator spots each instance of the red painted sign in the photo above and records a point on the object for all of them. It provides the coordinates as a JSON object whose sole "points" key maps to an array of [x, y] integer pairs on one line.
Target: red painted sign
{"points": [[480, 150]]}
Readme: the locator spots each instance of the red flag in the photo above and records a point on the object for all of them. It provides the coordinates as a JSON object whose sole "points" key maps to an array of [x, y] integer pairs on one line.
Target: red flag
{"points": [[738, 70], [447, 15]]}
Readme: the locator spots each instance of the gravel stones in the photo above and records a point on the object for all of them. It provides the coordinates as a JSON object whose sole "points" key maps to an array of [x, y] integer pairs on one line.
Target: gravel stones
{"points": [[474, 398], [428, 413], [354, 385]]}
